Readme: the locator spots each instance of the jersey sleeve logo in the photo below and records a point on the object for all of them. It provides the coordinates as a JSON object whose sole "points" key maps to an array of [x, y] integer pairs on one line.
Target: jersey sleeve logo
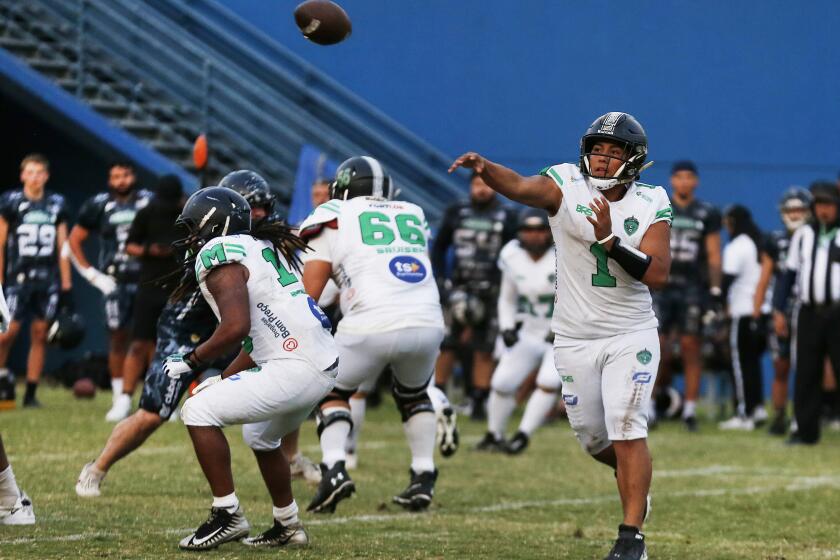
{"points": [[631, 225]]}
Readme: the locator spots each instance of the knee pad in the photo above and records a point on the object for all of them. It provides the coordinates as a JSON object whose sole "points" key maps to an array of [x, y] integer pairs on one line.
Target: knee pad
{"points": [[411, 400], [334, 415]]}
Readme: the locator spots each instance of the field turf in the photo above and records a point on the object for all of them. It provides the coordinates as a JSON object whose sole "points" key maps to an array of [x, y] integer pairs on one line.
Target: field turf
{"points": [[716, 495]]}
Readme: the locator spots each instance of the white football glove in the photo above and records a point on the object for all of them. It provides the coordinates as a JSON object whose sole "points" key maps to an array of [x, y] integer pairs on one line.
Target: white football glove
{"points": [[5, 315], [212, 380], [100, 281], [177, 365]]}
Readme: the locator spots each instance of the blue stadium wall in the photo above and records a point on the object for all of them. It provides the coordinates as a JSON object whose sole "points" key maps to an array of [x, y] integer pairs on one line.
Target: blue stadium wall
{"points": [[748, 90]]}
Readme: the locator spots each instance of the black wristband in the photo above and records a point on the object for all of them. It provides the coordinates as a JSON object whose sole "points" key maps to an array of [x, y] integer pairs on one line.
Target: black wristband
{"points": [[634, 262]]}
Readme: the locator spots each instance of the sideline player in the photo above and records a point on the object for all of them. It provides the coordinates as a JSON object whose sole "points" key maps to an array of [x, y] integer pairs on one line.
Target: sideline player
{"points": [[695, 282], [376, 249], [33, 228], [612, 241], [526, 304], [794, 210], [287, 364], [110, 215]]}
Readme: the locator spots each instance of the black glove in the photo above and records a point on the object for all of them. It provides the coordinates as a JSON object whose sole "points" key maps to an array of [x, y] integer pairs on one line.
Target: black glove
{"points": [[65, 301], [510, 337]]}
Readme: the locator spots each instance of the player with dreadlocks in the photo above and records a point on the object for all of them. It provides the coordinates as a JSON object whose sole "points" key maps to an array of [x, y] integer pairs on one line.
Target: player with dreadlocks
{"points": [[288, 360]]}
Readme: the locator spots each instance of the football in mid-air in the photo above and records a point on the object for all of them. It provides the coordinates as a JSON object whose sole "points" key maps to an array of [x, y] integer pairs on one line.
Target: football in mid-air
{"points": [[323, 22]]}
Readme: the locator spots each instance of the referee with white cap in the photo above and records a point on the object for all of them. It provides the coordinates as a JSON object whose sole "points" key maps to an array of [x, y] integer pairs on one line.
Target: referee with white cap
{"points": [[813, 267]]}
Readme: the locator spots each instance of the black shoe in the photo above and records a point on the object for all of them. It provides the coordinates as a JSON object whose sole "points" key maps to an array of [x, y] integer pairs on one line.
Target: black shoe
{"points": [[335, 485], [490, 443], [221, 527], [630, 545], [420, 491], [517, 444], [447, 432], [779, 425], [31, 403], [691, 424], [290, 536], [796, 439]]}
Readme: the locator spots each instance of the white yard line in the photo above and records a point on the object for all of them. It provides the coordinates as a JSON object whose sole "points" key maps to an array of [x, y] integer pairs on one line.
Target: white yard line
{"points": [[794, 484]]}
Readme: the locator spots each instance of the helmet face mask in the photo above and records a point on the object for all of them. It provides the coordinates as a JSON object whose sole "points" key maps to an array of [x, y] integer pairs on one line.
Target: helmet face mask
{"points": [[795, 207], [361, 176], [620, 129]]}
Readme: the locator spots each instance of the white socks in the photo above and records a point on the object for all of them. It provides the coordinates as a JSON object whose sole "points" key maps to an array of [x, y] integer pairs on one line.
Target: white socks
{"points": [[230, 503], [538, 407], [333, 439], [499, 409], [689, 409], [420, 431], [9, 492], [116, 388], [357, 413], [286, 515]]}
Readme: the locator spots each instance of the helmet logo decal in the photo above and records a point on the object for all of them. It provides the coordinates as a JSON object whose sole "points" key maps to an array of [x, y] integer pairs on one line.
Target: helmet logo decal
{"points": [[343, 178], [608, 126]]}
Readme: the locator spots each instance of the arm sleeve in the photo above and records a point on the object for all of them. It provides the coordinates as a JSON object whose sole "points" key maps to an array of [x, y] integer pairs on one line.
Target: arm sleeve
{"points": [[139, 232], [507, 303], [89, 215], [321, 246], [443, 240], [664, 213]]}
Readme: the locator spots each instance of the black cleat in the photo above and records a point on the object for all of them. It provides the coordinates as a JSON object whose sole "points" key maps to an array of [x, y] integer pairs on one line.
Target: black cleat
{"points": [[779, 425], [490, 443], [691, 424], [31, 403], [291, 536], [420, 491], [517, 444], [335, 486], [630, 545], [221, 527], [447, 432]]}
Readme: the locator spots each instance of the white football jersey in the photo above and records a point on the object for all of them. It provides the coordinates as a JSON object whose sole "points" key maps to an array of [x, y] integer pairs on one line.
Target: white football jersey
{"points": [[380, 261], [595, 297], [285, 322], [527, 293]]}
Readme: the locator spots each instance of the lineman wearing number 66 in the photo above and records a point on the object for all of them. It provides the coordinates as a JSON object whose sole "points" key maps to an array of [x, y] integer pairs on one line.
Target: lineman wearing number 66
{"points": [[612, 238]]}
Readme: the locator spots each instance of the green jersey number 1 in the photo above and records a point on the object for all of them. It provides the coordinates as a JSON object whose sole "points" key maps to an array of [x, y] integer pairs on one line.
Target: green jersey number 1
{"points": [[285, 277], [602, 277]]}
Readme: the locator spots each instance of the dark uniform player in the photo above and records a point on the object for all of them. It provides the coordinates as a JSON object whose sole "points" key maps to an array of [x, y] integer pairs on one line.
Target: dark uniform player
{"points": [[33, 225], [477, 229], [794, 208], [694, 282], [110, 215], [181, 327]]}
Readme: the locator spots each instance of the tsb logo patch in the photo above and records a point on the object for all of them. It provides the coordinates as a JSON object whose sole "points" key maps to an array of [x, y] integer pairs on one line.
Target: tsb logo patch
{"points": [[408, 269]]}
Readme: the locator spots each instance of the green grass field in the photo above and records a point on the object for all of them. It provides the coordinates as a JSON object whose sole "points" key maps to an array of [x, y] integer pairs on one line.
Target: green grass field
{"points": [[716, 495]]}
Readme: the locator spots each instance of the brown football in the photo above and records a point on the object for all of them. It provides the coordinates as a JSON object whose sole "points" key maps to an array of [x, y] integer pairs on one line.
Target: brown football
{"points": [[323, 22], [84, 388]]}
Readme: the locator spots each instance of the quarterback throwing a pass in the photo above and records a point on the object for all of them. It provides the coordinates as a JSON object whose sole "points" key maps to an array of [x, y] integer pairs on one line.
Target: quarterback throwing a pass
{"points": [[611, 234]]}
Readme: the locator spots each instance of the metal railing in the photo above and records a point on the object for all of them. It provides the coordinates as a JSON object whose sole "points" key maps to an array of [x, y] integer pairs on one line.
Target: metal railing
{"points": [[250, 91]]}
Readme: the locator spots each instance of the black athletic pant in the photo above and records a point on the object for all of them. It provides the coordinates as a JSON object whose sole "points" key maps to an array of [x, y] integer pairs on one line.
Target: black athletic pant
{"points": [[748, 341], [817, 336]]}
